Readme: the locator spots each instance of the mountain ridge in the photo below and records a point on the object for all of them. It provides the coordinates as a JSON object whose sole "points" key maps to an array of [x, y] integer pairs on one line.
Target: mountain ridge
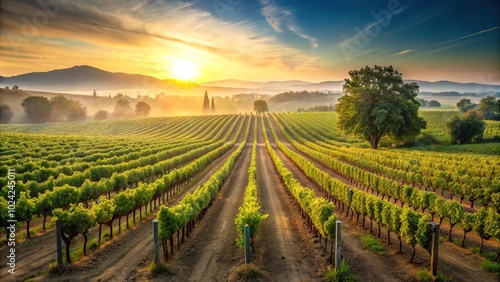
{"points": [[86, 78]]}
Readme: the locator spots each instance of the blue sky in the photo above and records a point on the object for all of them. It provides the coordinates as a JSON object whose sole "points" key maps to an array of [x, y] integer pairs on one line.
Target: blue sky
{"points": [[257, 40]]}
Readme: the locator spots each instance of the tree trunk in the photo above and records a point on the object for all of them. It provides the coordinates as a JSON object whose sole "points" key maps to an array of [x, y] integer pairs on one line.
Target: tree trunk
{"points": [[165, 250], [481, 246], [388, 237], [463, 239], [67, 242], [449, 235], [172, 245], [84, 243], [400, 245], [127, 220], [374, 141], [28, 228], [412, 254], [44, 220], [100, 229], [120, 225]]}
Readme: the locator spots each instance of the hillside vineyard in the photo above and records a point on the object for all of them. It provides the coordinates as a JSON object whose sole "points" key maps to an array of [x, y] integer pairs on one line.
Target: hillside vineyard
{"points": [[202, 174]]}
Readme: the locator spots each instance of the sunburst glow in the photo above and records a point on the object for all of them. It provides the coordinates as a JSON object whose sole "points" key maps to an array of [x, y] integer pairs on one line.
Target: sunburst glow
{"points": [[183, 69]]}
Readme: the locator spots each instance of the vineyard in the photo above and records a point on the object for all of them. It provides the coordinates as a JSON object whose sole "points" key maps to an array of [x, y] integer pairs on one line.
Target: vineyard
{"points": [[289, 176]]}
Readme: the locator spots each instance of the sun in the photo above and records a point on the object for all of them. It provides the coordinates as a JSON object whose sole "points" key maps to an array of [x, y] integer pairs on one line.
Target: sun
{"points": [[182, 69]]}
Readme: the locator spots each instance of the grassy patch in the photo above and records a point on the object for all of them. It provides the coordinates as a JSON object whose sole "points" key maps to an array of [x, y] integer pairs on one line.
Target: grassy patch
{"points": [[457, 241], [343, 274], [248, 272], [424, 275], [373, 244], [491, 266], [474, 250]]}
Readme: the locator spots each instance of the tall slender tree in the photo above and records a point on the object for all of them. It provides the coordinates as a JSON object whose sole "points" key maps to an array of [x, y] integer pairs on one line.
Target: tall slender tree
{"points": [[206, 104], [212, 108]]}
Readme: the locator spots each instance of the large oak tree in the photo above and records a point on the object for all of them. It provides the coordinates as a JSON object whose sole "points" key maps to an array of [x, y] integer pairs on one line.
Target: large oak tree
{"points": [[378, 102]]}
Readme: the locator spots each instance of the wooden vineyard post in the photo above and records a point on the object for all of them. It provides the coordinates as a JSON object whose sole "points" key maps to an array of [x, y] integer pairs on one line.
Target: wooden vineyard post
{"points": [[435, 247], [155, 241], [59, 242], [246, 229], [338, 247]]}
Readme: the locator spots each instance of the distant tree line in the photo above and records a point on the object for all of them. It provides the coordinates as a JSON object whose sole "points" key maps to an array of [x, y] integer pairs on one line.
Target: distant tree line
{"points": [[458, 94], [426, 103], [297, 96], [488, 107], [318, 108], [39, 109]]}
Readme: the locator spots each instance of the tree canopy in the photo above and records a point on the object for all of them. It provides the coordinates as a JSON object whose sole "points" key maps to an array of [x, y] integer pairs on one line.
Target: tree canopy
{"points": [[142, 109], [260, 106], [37, 109], [466, 129], [377, 102], [122, 108], [6, 114], [465, 104], [490, 108], [64, 109], [101, 115], [206, 104]]}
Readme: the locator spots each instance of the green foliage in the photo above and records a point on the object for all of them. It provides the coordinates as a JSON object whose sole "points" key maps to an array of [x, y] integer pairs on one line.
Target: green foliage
{"points": [[63, 196], [157, 269], [104, 210], [37, 109], [75, 220], [249, 212], [248, 272], [64, 109], [424, 275], [465, 105], [373, 244], [378, 102], [260, 106], [491, 266], [344, 273], [466, 129], [490, 108]]}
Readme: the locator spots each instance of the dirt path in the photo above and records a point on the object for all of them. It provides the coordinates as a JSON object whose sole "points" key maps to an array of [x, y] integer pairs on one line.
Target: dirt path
{"points": [[211, 252], [288, 252]]}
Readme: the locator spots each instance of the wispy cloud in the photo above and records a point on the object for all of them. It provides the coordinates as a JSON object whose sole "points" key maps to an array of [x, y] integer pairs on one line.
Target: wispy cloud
{"points": [[403, 52], [277, 17], [466, 36]]}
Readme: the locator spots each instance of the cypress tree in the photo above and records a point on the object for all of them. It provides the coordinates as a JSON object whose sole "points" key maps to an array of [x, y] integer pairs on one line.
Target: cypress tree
{"points": [[206, 104], [212, 109]]}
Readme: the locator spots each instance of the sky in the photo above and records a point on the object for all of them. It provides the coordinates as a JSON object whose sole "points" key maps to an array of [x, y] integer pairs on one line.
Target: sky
{"points": [[257, 40]]}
